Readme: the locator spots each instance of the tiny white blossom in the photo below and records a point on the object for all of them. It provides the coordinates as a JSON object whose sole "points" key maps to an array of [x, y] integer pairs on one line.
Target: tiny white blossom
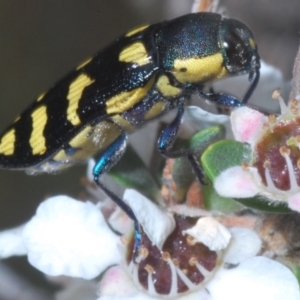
{"points": [[69, 237], [157, 230], [210, 232], [11, 242]]}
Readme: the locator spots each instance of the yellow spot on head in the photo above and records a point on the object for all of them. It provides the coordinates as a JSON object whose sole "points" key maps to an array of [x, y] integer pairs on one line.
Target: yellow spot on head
{"points": [[252, 44], [7, 145], [165, 87], [194, 70], [75, 92], [84, 63], [136, 30], [126, 100], [37, 139], [135, 53]]}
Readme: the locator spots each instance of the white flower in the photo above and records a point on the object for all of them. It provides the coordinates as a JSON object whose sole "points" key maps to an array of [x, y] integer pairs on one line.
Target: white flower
{"points": [[210, 232], [72, 238], [275, 143], [63, 239]]}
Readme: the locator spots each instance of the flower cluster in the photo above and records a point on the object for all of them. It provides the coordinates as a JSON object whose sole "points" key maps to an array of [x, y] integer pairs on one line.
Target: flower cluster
{"points": [[274, 167]]}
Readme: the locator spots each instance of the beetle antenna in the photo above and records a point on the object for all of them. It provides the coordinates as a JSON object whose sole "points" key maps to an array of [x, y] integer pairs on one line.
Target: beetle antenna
{"points": [[251, 88]]}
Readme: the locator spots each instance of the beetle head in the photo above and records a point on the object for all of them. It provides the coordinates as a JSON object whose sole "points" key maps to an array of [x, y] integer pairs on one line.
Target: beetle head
{"points": [[239, 51]]}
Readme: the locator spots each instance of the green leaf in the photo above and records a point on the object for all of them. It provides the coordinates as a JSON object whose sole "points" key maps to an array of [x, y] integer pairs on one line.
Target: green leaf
{"points": [[215, 202], [131, 172], [182, 174], [296, 271], [264, 205], [223, 155], [205, 137]]}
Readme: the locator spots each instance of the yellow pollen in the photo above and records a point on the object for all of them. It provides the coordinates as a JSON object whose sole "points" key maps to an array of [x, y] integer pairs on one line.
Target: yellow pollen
{"points": [[294, 110], [192, 261], [124, 240], [175, 262], [166, 256], [294, 106], [294, 103], [149, 269], [272, 118], [285, 151], [144, 252], [276, 94], [245, 166], [190, 240], [267, 164]]}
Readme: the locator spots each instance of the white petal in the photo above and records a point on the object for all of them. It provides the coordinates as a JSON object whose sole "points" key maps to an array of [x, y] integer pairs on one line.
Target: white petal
{"points": [[157, 224], [210, 232], [11, 242], [246, 124], [78, 289], [258, 278], [201, 118], [235, 183], [116, 284], [244, 244], [69, 237], [89, 170], [120, 222], [294, 202]]}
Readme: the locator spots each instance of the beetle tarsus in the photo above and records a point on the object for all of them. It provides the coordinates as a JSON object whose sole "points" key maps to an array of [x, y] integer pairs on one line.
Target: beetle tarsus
{"points": [[221, 99]]}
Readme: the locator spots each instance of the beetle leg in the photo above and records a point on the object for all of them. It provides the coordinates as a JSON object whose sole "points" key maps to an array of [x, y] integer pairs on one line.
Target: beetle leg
{"points": [[167, 139], [222, 99], [109, 158], [229, 100]]}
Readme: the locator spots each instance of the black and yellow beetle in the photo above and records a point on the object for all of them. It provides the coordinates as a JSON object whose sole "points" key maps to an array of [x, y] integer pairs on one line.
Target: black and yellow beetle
{"points": [[140, 76]]}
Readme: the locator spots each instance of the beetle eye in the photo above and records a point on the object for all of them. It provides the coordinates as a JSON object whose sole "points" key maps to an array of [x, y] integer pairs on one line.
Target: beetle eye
{"points": [[236, 52]]}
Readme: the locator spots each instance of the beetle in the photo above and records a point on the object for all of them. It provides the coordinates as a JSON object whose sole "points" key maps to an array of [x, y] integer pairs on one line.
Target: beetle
{"points": [[141, 76]]}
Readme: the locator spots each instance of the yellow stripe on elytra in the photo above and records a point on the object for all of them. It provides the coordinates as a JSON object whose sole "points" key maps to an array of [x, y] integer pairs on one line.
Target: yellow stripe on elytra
{"points": [[75, 92], [40, 97], [17, 119], [135, 53], [126, 100], [136, 30], [84, 63], [7, 145], [199, 69], [37, 140], [157, 109]]}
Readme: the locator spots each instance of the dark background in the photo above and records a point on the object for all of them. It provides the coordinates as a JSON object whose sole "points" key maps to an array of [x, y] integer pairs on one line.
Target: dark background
{"points": [[42, 40]]}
